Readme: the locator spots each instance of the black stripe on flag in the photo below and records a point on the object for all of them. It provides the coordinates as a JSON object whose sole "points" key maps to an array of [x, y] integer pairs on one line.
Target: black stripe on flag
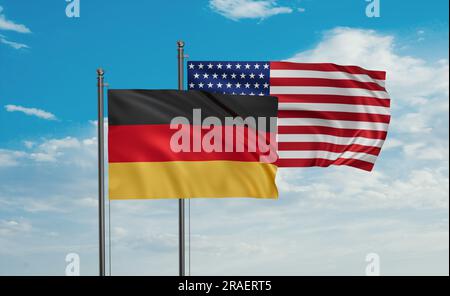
{"points": [[131, 107]]}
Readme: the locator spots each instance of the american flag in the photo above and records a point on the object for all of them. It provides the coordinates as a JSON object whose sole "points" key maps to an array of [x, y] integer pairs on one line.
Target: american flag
{"points": [[328, 114]]}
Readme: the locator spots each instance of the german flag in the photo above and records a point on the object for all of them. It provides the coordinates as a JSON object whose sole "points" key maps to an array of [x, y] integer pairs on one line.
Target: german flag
{"points": [[187, 144]]}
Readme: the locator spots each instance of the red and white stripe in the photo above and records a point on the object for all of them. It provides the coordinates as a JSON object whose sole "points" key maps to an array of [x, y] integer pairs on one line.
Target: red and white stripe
{"points": [[329, 114]]}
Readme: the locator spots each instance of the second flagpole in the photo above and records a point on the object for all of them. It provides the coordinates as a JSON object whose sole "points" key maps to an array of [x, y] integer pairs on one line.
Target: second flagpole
{"points": [[181, 207], [101, 172]]}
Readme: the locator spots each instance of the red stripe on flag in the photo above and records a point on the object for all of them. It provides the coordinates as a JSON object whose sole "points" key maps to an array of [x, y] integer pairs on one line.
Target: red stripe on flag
{"points": [[308, 146], [333, 99], [147, 143], [312, 130], [320, 162]]}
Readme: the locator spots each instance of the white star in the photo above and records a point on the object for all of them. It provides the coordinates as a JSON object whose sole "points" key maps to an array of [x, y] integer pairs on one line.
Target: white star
{"points": [[247, 66], [215, 75], [266, 85], [266, 66], [252, 75], [224, 76], [243, 76], [242, 93], [210, 85], [252, 94], [233, 76], [228, 66], [256, 66], [233, 93], [191, 85], [238, 85], [219, 66], [256, 85], [196, 75], [247, 85], [261, 94], [261, 75], [238, 66], [219, 85], [206, 75], [191, 66], [200, 85], [210, 66], [200, 66], [228, 85]]}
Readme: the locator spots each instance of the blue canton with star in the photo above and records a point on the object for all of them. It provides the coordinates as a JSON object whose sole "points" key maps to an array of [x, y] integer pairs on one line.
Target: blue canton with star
{"points": [[236, 78]]}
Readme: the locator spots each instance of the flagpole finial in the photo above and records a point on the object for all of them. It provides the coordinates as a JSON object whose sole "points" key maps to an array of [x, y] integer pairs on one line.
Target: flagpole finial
{"points": [[180, 43], [100, 72]]}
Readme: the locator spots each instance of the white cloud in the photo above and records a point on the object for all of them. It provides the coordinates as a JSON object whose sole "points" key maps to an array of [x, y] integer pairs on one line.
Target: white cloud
{"points": [[9, 25], [68, 150], [248, 9], [51, 150], [90, 141], [8, 227], [12, 44], [48, 205], [29, 144], [411, 123], [31, 111], [392, 143], [420, 35], [10, 158], [420, 188], [89, 202], [427, 151], [53, 145]]}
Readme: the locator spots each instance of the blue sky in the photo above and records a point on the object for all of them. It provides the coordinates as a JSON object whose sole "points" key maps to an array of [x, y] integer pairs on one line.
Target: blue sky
{"points": [[47, 157]]}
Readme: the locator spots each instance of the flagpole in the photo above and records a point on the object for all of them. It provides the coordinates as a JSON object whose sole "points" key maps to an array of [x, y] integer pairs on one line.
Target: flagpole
{"points": [[181, 208], [101, 173]]}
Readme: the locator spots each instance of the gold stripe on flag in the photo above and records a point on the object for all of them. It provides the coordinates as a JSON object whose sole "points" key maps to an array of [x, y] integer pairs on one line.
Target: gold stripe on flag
{"points": [[186, 179]]}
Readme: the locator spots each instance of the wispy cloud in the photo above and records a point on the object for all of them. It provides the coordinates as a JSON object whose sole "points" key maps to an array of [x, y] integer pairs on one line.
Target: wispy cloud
{"points": [[59, 151], [13, 44], [9, 25], [248, 9], [31, 112]]}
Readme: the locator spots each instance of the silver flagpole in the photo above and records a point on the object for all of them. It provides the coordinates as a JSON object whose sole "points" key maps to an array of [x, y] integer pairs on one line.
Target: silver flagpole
{"points": [[101, 173], [181, 226]]}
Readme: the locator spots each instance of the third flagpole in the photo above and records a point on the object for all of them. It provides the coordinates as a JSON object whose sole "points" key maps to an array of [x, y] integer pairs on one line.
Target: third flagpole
{"points": [[181, 210]]}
